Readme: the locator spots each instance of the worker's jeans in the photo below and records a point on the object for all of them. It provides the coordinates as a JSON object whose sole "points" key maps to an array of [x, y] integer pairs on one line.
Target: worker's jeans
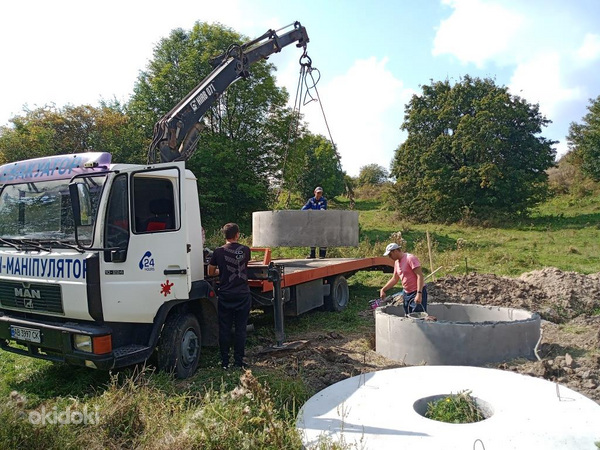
{"points": [[233, 312], [409, 302], [322, 252]]}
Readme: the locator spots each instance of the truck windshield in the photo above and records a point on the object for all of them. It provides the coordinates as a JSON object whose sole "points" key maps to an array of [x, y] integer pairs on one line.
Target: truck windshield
{"points": [[41, 211]]}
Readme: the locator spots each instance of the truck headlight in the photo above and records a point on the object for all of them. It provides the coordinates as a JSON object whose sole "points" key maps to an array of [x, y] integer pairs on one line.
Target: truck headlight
{"points": [[82, 343], [99, 345]]}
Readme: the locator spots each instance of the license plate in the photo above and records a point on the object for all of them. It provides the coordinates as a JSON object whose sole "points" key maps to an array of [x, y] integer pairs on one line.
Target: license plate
{"points": [[25, 334]]}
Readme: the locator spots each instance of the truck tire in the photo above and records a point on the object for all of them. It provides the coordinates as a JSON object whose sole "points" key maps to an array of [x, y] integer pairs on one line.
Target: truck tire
{"points": [[179, 345], [339, 295]]}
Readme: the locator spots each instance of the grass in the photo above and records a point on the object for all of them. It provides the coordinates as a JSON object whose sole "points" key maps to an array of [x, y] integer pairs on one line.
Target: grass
{"points": [[572, 329], [137, 408], [563, 233], [218, 410], [458, 408]]}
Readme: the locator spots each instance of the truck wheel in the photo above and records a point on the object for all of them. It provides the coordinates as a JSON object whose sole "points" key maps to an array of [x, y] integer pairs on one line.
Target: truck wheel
{"points": [[339, 295], [179, 345]]}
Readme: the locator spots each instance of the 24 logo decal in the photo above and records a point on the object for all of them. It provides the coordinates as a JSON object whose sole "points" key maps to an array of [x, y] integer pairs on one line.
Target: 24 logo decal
{"points": [[147, 262]]}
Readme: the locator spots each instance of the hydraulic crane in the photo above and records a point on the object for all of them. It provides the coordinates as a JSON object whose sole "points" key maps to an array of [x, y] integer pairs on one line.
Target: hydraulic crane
{"points": [[177, 132]]}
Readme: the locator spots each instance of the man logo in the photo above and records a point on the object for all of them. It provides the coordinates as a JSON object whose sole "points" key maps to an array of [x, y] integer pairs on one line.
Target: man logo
{"points": [[27, 295]]}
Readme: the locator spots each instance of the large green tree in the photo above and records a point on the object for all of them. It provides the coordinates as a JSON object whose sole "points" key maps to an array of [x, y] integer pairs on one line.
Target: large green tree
{"points": [[584, 140], [72, 129], [241, 149], [473, 150]]}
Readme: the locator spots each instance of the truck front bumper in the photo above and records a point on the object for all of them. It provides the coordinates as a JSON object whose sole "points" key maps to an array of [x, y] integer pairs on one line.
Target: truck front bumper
{"points": [[54, 341]]}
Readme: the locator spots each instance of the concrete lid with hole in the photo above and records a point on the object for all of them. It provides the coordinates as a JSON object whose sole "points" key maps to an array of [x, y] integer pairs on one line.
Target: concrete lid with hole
{"points": [[383, 410]]}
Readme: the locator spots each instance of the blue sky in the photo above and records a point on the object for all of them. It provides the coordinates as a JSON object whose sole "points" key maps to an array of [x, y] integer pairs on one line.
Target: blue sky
{"points": [[372, 56]]}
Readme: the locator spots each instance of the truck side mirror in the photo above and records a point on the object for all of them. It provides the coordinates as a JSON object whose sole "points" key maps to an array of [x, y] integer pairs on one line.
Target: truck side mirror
{"points": [[81, 203]]}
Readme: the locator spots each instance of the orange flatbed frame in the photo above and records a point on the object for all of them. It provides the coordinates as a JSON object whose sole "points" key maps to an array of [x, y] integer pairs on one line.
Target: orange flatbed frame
{"points": [[298, 271]]}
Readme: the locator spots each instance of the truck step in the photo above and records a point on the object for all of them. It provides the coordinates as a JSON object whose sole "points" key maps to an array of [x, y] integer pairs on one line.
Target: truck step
{"points": [[129, 351]]}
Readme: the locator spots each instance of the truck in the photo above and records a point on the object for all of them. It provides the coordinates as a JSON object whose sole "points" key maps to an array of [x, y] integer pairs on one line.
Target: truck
{"points": [[102, 264]]}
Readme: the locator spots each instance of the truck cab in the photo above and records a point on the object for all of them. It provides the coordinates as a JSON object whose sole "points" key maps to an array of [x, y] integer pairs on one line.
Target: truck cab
{"points": [[101, 264]]}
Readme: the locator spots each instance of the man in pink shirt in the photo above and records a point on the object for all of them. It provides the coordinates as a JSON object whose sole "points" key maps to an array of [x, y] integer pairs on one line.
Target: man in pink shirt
{"points": [[407, 268]]}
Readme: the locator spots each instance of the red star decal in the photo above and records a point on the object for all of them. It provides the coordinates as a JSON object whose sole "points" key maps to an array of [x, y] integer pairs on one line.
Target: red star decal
{"points": [[166, 288]]}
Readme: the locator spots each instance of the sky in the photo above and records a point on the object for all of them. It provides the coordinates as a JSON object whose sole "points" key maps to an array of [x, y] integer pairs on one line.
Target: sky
{"points": [[372, 56]]}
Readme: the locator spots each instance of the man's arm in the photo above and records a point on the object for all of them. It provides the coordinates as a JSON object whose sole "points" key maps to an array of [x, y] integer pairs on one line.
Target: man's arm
{"points": [[420, 283], [213, 270], [307, 206], [390, 284]]}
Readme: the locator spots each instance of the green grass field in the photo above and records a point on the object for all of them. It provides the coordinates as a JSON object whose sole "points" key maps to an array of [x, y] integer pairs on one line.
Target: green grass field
{"points": [[141, 409]]}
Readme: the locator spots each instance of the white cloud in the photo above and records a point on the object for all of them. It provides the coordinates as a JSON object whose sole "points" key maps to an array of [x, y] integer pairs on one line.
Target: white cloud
{"points": [[545, 45], [539, 81], [477, 31], [590, 49], [364, 109], [67, 52], [561, 148]]}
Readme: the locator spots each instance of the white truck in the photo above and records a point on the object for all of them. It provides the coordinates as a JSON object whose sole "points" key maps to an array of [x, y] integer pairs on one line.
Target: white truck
{"points": [[102, 264]]}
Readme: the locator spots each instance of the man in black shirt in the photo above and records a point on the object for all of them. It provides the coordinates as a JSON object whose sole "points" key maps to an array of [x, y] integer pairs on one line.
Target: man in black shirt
{"points": [[230, 262]]}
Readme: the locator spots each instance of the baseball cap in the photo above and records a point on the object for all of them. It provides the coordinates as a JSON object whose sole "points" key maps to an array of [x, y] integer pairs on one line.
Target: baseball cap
{"points": [[391, 247], [318, 189]]}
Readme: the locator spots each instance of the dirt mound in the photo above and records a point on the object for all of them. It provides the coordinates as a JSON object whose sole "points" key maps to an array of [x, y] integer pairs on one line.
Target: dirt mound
{"points": [[570, 292], [558, 296]]}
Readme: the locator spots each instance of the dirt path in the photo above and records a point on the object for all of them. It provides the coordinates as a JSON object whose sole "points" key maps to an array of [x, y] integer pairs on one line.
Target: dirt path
{"points": [[568, 302]]}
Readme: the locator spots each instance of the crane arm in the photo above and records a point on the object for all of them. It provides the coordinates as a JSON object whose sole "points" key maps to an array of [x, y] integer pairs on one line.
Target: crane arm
{"points": [[177, 132]]}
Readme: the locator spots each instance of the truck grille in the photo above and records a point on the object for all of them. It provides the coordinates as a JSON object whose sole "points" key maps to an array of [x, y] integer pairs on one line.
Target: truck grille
{"points": [[31, 296]]}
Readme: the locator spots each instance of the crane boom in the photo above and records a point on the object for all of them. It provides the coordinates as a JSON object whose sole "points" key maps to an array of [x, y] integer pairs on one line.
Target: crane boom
{"points": [[177, 132]]}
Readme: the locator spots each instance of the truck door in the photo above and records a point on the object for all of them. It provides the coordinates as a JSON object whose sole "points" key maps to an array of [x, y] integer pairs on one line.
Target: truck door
{"points": [[145, 216]]}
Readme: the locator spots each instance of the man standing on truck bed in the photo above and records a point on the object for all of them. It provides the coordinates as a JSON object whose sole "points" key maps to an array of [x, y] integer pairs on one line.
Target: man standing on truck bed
{"points": [[230, 262], [407, 268], [317, 202]]}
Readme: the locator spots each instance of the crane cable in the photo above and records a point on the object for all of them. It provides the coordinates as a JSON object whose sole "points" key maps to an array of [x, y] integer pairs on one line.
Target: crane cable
{"points": [[303, 98], [310, 98], [295, 122]]}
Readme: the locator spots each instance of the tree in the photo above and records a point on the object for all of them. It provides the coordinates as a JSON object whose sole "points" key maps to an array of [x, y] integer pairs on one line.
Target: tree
{"points": [[584, 140], [473, 150], [240, 151], [372, 174], [321, 167], [72, 129]]}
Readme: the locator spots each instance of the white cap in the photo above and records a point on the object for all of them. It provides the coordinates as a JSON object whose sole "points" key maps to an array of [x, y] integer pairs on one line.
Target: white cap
{"points": [[318, 189], [391, 247]]}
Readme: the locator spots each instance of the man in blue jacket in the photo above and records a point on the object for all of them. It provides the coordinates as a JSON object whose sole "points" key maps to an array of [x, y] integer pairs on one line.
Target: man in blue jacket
{"points": [[317, 202]]}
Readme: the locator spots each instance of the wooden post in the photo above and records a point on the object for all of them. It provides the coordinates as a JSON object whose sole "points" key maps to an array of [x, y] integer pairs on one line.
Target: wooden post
{"points": [[430, 257]]}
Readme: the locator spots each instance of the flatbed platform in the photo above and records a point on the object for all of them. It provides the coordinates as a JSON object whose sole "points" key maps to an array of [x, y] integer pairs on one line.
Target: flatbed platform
{"points": [[297, 271]]}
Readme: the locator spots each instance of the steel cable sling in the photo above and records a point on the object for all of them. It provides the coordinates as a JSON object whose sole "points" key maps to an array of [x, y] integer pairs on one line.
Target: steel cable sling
{"points": [[303, 98]]}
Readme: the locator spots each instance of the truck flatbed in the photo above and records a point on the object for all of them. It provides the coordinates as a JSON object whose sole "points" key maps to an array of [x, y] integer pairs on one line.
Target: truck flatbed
{"points": [[300, 285], [298, 271]]}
